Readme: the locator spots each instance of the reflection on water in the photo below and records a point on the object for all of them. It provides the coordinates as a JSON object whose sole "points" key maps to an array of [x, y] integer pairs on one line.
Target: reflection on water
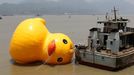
{"points": [[69, 69], [76, 27]]}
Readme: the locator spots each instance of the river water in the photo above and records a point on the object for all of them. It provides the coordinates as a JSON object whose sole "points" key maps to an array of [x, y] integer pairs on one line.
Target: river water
{"points": [[75, 26]]}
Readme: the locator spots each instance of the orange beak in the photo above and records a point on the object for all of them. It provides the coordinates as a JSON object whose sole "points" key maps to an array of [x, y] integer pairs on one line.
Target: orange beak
{"points": [[51, 47]]}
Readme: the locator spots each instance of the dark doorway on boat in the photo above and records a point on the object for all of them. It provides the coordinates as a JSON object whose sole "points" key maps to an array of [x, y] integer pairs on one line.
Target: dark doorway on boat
{"points": [[105, 41]]}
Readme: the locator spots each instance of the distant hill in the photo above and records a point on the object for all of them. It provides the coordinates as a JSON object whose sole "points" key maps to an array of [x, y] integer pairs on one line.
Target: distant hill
{"points": [[78, 7]]}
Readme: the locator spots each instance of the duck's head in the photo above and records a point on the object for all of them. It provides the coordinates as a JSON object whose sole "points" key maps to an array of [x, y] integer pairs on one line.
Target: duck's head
{"points": [[59, 49]]}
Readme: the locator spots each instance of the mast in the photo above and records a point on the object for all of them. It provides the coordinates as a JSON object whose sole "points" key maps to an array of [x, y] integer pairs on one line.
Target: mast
{"points": [[115, 17], [106, 16]]}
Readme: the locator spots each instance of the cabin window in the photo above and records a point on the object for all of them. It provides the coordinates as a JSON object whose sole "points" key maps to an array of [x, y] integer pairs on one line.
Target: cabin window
{"points": [[98, 41], [105, 38], [102, 58], [109, 24], [111, 42], [105, 24]]}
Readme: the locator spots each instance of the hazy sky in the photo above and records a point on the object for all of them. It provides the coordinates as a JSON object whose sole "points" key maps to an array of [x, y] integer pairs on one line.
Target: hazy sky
{"points": [[61, 6], [10, 1], [19, 1]]}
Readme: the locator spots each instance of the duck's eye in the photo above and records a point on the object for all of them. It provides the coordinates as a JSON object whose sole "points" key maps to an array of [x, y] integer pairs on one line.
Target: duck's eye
{"points": [[65, 41], [60, 59]]}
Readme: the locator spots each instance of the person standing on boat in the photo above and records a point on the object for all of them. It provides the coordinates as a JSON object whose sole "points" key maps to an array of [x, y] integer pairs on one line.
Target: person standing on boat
{"points": [[77, 54], [97, 45]]}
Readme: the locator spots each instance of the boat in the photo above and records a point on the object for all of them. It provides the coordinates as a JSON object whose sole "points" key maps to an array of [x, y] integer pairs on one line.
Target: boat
{"points": [[110, 47]]}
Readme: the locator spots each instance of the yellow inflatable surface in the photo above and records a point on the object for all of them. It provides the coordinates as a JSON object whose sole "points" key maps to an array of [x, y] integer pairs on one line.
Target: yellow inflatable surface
{"points": [[32, 41]]}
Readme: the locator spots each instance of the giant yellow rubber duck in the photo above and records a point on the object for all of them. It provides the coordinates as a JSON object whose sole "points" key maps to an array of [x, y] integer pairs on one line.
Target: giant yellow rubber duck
{"points": [[32, 41]]}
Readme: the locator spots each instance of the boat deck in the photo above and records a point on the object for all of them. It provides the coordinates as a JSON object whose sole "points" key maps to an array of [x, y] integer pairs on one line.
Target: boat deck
{"points": [[123, 53]]}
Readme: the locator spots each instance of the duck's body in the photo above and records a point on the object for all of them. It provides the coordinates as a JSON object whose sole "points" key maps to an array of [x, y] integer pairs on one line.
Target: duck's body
{"points": [[32, 41]]}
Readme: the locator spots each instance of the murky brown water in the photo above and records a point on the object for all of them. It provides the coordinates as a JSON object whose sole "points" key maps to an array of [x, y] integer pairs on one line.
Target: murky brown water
{"points": [[76, 27]]}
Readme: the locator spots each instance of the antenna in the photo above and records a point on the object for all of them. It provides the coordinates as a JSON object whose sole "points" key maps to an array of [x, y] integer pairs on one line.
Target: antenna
{"points": [[115, 15], [106, 16]]}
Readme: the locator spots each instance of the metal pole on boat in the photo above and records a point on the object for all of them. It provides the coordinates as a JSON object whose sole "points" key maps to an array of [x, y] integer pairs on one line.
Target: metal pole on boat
{"points": [[115, 17], [89, 42]]}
